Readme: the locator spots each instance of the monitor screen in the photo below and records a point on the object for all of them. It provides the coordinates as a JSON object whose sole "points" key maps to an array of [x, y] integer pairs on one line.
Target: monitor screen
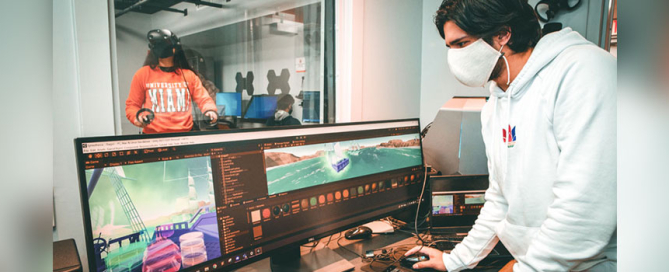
{"points": [[229, 104], [213, 201], [442, 204], [311, 107], [457, 203], [457, 199], [261, 107]]}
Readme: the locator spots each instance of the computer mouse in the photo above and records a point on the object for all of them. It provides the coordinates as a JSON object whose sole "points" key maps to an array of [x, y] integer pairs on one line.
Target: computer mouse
{"points": [[360, 232], [408, 261]]}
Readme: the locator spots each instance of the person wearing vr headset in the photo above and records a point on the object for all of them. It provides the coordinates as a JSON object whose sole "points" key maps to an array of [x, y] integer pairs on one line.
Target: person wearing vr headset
{"points": [[549, 129], [162, 90]]}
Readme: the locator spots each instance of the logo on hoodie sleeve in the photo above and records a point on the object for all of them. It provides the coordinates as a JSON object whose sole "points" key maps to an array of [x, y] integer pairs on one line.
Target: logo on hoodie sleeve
{"points": [[509, 136]]}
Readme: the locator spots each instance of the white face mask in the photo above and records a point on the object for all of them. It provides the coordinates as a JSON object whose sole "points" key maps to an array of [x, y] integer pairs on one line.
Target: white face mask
{"points": [[473, 65]]}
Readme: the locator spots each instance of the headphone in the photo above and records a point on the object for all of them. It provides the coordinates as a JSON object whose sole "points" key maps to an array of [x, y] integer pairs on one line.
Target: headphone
{"points": [[165, 36]]}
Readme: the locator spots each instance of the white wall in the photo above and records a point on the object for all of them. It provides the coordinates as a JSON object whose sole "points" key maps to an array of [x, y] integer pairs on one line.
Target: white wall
{"points": [[348, 59], [131, 50], [82, 102], [391, 57], [438, 85], [26, 138]]}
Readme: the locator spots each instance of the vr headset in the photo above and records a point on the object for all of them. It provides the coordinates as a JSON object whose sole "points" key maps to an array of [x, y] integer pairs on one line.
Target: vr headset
{"points": [[162, 41]]}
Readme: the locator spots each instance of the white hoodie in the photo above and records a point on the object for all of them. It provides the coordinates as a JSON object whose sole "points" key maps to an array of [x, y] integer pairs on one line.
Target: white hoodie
{"points": [[552, 194]]}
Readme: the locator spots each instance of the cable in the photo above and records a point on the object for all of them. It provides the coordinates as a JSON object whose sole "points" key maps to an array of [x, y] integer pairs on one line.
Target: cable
{"points": [[317, 242], [421, 222], [415, 233], [394, 258], [330, 239], [386, 255], [408, 225], [356, 254], [390, 255], [313, 245], [422, 192]]}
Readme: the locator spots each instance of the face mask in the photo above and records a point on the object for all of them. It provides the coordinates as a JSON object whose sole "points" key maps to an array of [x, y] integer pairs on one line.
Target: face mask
{"points": [[473, 65]]}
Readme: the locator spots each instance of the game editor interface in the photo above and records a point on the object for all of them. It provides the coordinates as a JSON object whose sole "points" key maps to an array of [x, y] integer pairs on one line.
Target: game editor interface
{"points": [[212, 200]]}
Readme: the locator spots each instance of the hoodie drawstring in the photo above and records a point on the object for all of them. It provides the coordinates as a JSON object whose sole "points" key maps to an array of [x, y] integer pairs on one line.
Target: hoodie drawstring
{"points": [[508, 136], [493, 151]]}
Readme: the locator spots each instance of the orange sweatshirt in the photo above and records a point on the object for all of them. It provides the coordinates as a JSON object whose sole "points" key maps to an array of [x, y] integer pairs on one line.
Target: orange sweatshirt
{"points": [[167, 95]]}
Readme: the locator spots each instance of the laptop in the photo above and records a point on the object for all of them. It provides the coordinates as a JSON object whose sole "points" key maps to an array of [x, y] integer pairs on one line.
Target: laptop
{"points": [[456, 203]]}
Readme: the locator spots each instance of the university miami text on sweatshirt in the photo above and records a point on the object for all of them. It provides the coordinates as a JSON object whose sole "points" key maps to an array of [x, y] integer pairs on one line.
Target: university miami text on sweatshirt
{"points": [[168, 96]]}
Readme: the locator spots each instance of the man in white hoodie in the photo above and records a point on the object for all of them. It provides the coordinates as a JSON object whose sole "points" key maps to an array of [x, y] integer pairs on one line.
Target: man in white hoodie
{"points": [[283, 114], [549, 129]]}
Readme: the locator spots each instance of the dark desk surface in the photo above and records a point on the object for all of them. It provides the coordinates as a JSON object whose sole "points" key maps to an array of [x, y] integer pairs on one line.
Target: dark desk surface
{"points": [[400, 241]]}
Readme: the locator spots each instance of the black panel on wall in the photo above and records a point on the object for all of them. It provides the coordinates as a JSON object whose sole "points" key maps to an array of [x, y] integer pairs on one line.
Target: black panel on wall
{"points": [[244, 83], [278, 82]]}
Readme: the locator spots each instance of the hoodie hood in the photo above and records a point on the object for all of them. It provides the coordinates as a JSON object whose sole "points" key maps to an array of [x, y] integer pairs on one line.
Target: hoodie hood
{"points": [[548, 47], [280, 115]]}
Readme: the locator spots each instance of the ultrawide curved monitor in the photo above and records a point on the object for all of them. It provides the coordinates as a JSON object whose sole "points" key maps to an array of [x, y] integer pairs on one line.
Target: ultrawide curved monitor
{"points": [[214, 201]]}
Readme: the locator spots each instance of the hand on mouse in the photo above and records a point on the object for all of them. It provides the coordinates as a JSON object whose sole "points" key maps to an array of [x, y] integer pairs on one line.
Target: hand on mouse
{"points": [[435, 262]]}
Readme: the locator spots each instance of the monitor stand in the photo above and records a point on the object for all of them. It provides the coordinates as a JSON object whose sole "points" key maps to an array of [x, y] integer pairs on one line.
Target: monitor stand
{"points": [[320, 260]]}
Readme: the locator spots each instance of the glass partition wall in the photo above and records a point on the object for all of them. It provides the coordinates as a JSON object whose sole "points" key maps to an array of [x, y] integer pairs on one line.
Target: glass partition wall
{"points": [[247, 54]]}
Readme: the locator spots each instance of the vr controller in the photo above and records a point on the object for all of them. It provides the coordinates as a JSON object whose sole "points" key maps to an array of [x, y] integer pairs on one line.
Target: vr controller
{"points": [[146, 119], [211, 122]]}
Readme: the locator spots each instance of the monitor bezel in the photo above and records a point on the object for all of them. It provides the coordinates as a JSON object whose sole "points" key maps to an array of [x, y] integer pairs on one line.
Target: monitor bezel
{"points": [[83, 190]]}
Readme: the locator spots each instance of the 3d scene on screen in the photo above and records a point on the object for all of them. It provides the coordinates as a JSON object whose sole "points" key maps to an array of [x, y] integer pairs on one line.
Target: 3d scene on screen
{"points": [[442, 204], [158, 216], [300, 167], [474, 199]]}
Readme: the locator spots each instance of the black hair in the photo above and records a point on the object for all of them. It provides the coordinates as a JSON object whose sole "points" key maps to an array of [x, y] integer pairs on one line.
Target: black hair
{"points": [[195, 55], [487, 18], [284, 102]]}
